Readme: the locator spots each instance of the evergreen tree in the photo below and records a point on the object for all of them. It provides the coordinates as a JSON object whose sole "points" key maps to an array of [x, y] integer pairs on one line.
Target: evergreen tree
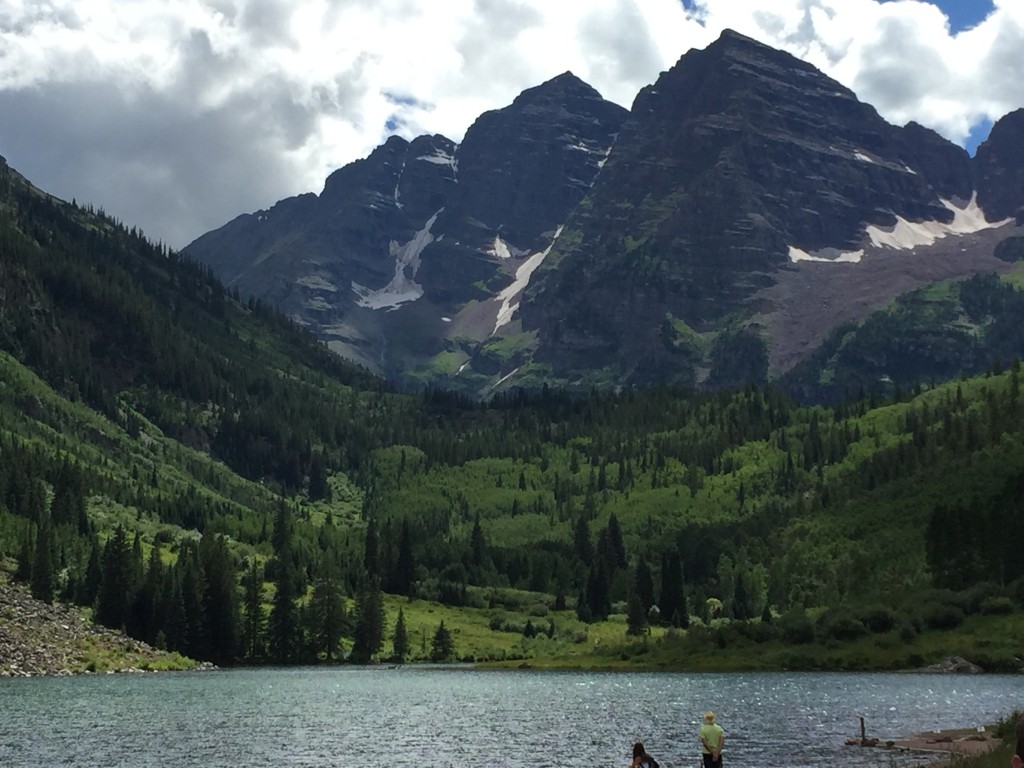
{"points": [[89, 586], [23, 571], [329, 616], [400, 639], [615, 543], [582, 545], [282, 629], [643, 584], [369, 630], [598, 593], [672, 605], [477, 542], [192, 583], [116, 589], [442, 647], [319, 490], [42, 562], [371, 552], [405, 567], [741, 608], [220, 600], [253, 614], [145, 620], [636, 616]]}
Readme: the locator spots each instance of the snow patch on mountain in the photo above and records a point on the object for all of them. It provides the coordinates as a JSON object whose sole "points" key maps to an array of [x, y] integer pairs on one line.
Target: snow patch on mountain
{"points": [[398, 182], [514, 290], [503, 250], [906, 235], [440, 157], [316, 282], [910, 234], [836, 257], [402, 288]]}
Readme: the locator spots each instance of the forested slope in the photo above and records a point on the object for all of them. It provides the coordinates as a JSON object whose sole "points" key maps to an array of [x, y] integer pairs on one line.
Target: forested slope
{"points": [[202, 473]]}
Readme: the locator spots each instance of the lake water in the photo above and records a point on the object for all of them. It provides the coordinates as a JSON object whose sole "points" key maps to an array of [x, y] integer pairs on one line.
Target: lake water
{"points": [[421, 716]]}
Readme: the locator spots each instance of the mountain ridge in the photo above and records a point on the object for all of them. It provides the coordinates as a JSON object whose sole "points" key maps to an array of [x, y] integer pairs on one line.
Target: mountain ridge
{"points": [[575, 244]]}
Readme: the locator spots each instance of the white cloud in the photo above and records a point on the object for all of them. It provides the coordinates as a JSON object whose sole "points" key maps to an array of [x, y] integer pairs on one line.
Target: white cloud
{"points": [[177, 115]]}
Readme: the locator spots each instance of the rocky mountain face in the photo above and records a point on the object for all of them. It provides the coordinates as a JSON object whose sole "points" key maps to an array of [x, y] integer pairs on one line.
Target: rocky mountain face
{"points": [[400, 262], [1000, 169], [744, 206]]}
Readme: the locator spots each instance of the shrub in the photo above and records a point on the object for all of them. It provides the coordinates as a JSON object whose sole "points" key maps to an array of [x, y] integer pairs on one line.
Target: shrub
{"points": [[971, 600], [878, 619], [698, 636], [1017, 590], [942, 616], [797, 628], [943, 596], [164, 536], [996, 605], [538, 609], [840, 625], [759, 632], [907, 631]]}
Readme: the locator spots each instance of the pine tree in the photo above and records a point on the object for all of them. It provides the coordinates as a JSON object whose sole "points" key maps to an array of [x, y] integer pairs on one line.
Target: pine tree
{"points": [[581, 541], [369, 630], [400, 639], [220, 599], [672, 605], [643, 584], [319, 490], [42, 563], [405, 567], [115, 590], [741, 608], [617, 547], [371, 552], [253, 614], [144, 619], [23, 571], [477, 542], [442, 647], [282, 629], [598, 592], [192, 583], [636, 616], [328, 615]]}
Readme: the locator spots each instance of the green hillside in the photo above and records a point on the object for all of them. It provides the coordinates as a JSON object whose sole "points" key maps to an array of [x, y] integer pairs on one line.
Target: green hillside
{"points": [[206, 475], [926, 336]]}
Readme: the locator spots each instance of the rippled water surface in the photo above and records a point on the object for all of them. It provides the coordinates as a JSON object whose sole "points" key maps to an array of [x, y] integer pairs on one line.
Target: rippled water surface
{"points": [[461, 717]]}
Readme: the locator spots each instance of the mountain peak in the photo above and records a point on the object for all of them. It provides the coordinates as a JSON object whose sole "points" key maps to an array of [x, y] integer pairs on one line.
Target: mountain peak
{"points": [[560, 88], [731, 36]]}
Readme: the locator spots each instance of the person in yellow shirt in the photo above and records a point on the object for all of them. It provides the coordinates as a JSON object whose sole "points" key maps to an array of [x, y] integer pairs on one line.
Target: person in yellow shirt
{"points": [[712, 741]]}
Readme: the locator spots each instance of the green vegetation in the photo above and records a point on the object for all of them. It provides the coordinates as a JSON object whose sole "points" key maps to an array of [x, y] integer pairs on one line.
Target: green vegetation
{"points": [[202, 473], [928, 336]]}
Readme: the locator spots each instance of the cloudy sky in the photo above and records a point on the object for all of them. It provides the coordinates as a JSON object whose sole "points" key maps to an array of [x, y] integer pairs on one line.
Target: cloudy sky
{"points": [[177, 115]]}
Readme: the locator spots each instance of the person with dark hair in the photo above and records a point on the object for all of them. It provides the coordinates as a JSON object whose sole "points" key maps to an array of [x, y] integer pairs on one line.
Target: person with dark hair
{"points": [[641, 759], [1017, 761], [712, 740]]}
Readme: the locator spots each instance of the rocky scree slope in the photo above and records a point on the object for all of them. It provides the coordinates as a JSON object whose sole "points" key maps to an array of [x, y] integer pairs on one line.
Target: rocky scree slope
{"points": [[38, 638]]}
